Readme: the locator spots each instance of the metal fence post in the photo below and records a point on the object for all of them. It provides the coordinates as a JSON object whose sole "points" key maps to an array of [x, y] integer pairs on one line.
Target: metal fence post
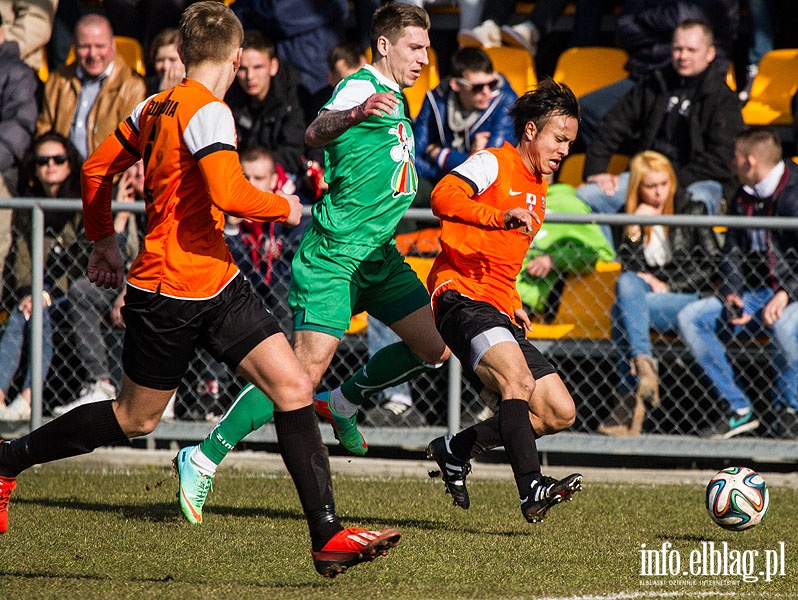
{"points": [[37, 316]]}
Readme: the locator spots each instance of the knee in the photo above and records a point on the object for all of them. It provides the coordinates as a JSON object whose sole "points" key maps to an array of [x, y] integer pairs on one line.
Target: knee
{"points": [[521, 388]]}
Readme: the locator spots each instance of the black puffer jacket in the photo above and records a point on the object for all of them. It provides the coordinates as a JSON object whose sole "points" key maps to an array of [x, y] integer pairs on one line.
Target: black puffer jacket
{"points": [[19, 105], [278, 124], [645, 29], [695, 255], [714, 119]]}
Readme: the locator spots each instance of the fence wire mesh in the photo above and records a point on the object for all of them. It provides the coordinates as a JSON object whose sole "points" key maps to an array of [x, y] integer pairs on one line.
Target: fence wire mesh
{"points": [[572, 328]]}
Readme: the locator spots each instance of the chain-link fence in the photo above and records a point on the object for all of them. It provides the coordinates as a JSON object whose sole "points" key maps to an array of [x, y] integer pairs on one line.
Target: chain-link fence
{"points": [[572, 327]]}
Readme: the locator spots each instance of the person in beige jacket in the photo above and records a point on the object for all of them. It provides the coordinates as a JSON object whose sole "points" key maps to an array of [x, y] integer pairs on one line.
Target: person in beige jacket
{"points": [[86, 100]]}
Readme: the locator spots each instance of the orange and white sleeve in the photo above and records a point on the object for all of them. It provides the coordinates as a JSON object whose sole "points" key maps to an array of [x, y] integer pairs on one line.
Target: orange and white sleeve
{"points": [[117, 152], [456, 197], [210, 137]]}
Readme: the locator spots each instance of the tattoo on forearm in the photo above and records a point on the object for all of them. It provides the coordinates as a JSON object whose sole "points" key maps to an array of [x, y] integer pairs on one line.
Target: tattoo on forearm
{"points": [[329, 125]]}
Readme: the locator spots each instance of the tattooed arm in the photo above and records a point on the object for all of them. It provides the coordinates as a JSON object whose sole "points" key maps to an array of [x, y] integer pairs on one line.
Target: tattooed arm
{"points": [[329, 124]]}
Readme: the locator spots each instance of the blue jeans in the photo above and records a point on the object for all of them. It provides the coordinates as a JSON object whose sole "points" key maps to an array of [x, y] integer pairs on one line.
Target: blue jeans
{"points": [[17, 331], [631, 326], [709, 192], [704, 329]]}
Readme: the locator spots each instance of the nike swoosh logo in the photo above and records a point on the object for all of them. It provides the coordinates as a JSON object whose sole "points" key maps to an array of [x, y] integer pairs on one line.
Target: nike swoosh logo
{"points": [[514, 193]]}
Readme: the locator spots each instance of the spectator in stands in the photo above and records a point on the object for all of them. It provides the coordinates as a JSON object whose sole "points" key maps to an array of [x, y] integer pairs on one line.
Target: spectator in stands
{"points": [[758, 289], [265, 104], [684, 111], [343, 60], [87, 99], [90, 305], [29, 25], [464, 114], [664, 269], [560, 249], [644, 30], [263, 251], [760, 20], [18, 108], [143, 19], [50, 169], [304, 32], [166, 66]]}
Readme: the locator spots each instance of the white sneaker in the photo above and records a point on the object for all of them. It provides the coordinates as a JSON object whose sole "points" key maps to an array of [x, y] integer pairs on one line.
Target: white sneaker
{"points": [[95, 392], [487, 35], [18, 410], [524, 35]]}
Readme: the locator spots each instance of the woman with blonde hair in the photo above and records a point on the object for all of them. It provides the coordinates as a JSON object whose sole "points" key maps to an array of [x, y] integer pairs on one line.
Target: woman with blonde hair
{"points": [[664, 269]]}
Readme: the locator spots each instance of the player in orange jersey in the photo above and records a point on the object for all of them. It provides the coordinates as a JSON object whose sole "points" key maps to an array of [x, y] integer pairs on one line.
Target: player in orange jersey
{"points": [[184, 291], [491, 207]]}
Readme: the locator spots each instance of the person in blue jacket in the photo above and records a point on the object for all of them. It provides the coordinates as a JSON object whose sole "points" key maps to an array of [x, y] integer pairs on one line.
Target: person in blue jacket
{"points": [[465, 113]]}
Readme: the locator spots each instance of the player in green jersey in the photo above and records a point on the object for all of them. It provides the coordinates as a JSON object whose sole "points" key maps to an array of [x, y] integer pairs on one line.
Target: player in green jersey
{"points": [[347, 262]]}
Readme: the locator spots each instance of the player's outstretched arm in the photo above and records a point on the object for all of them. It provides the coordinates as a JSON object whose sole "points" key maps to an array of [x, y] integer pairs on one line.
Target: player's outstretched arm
{"points": [[330, 124]]}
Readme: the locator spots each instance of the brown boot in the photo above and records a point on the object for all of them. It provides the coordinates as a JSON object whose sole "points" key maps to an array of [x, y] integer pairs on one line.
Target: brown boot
{"points": [[646, 370], [620, 418]]}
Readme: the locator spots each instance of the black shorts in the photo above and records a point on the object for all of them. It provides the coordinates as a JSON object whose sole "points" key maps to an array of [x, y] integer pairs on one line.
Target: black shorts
{"points": [[461, 320], [162, 334]]}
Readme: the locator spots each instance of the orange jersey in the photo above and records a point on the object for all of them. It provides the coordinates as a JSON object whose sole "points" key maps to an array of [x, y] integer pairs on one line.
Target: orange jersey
{"points": [[192, 176], [479, 257]]}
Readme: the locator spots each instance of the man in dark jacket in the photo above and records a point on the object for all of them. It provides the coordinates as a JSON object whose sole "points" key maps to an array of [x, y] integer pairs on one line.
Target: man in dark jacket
{"points": [[758, 290], [685, 111], [18, 109], [465, 113], [645, 30], [265, 104]]}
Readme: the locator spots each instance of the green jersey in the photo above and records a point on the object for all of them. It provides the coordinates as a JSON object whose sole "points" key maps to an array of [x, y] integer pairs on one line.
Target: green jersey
{"points": [[370, 168]]}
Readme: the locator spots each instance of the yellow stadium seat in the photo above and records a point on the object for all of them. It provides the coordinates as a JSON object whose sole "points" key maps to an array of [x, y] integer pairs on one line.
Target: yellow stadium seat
{"points": [[584, 310], [571, 169], [773, 88], [589, 68], [731, 78], [44, 70], [516, 65], [128, 48]]}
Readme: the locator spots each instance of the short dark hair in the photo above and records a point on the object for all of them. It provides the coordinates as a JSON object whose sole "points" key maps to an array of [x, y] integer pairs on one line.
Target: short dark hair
{"points": [[470, 58], [764, 140], [392, 18], [348, 52], [548, 99], [255, 40]]}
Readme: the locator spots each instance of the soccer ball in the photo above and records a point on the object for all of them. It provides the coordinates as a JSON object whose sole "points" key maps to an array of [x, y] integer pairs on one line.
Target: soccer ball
{"points": [[737, 498]]}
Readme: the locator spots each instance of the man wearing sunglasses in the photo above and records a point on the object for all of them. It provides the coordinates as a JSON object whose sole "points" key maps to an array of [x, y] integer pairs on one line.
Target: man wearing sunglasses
{"points": [[464, 114]]}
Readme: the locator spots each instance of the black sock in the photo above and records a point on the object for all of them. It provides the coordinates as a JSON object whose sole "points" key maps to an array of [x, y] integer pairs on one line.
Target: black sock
{"points": [[305, 457], [476, 439], [79, 431], [519, 442]]}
